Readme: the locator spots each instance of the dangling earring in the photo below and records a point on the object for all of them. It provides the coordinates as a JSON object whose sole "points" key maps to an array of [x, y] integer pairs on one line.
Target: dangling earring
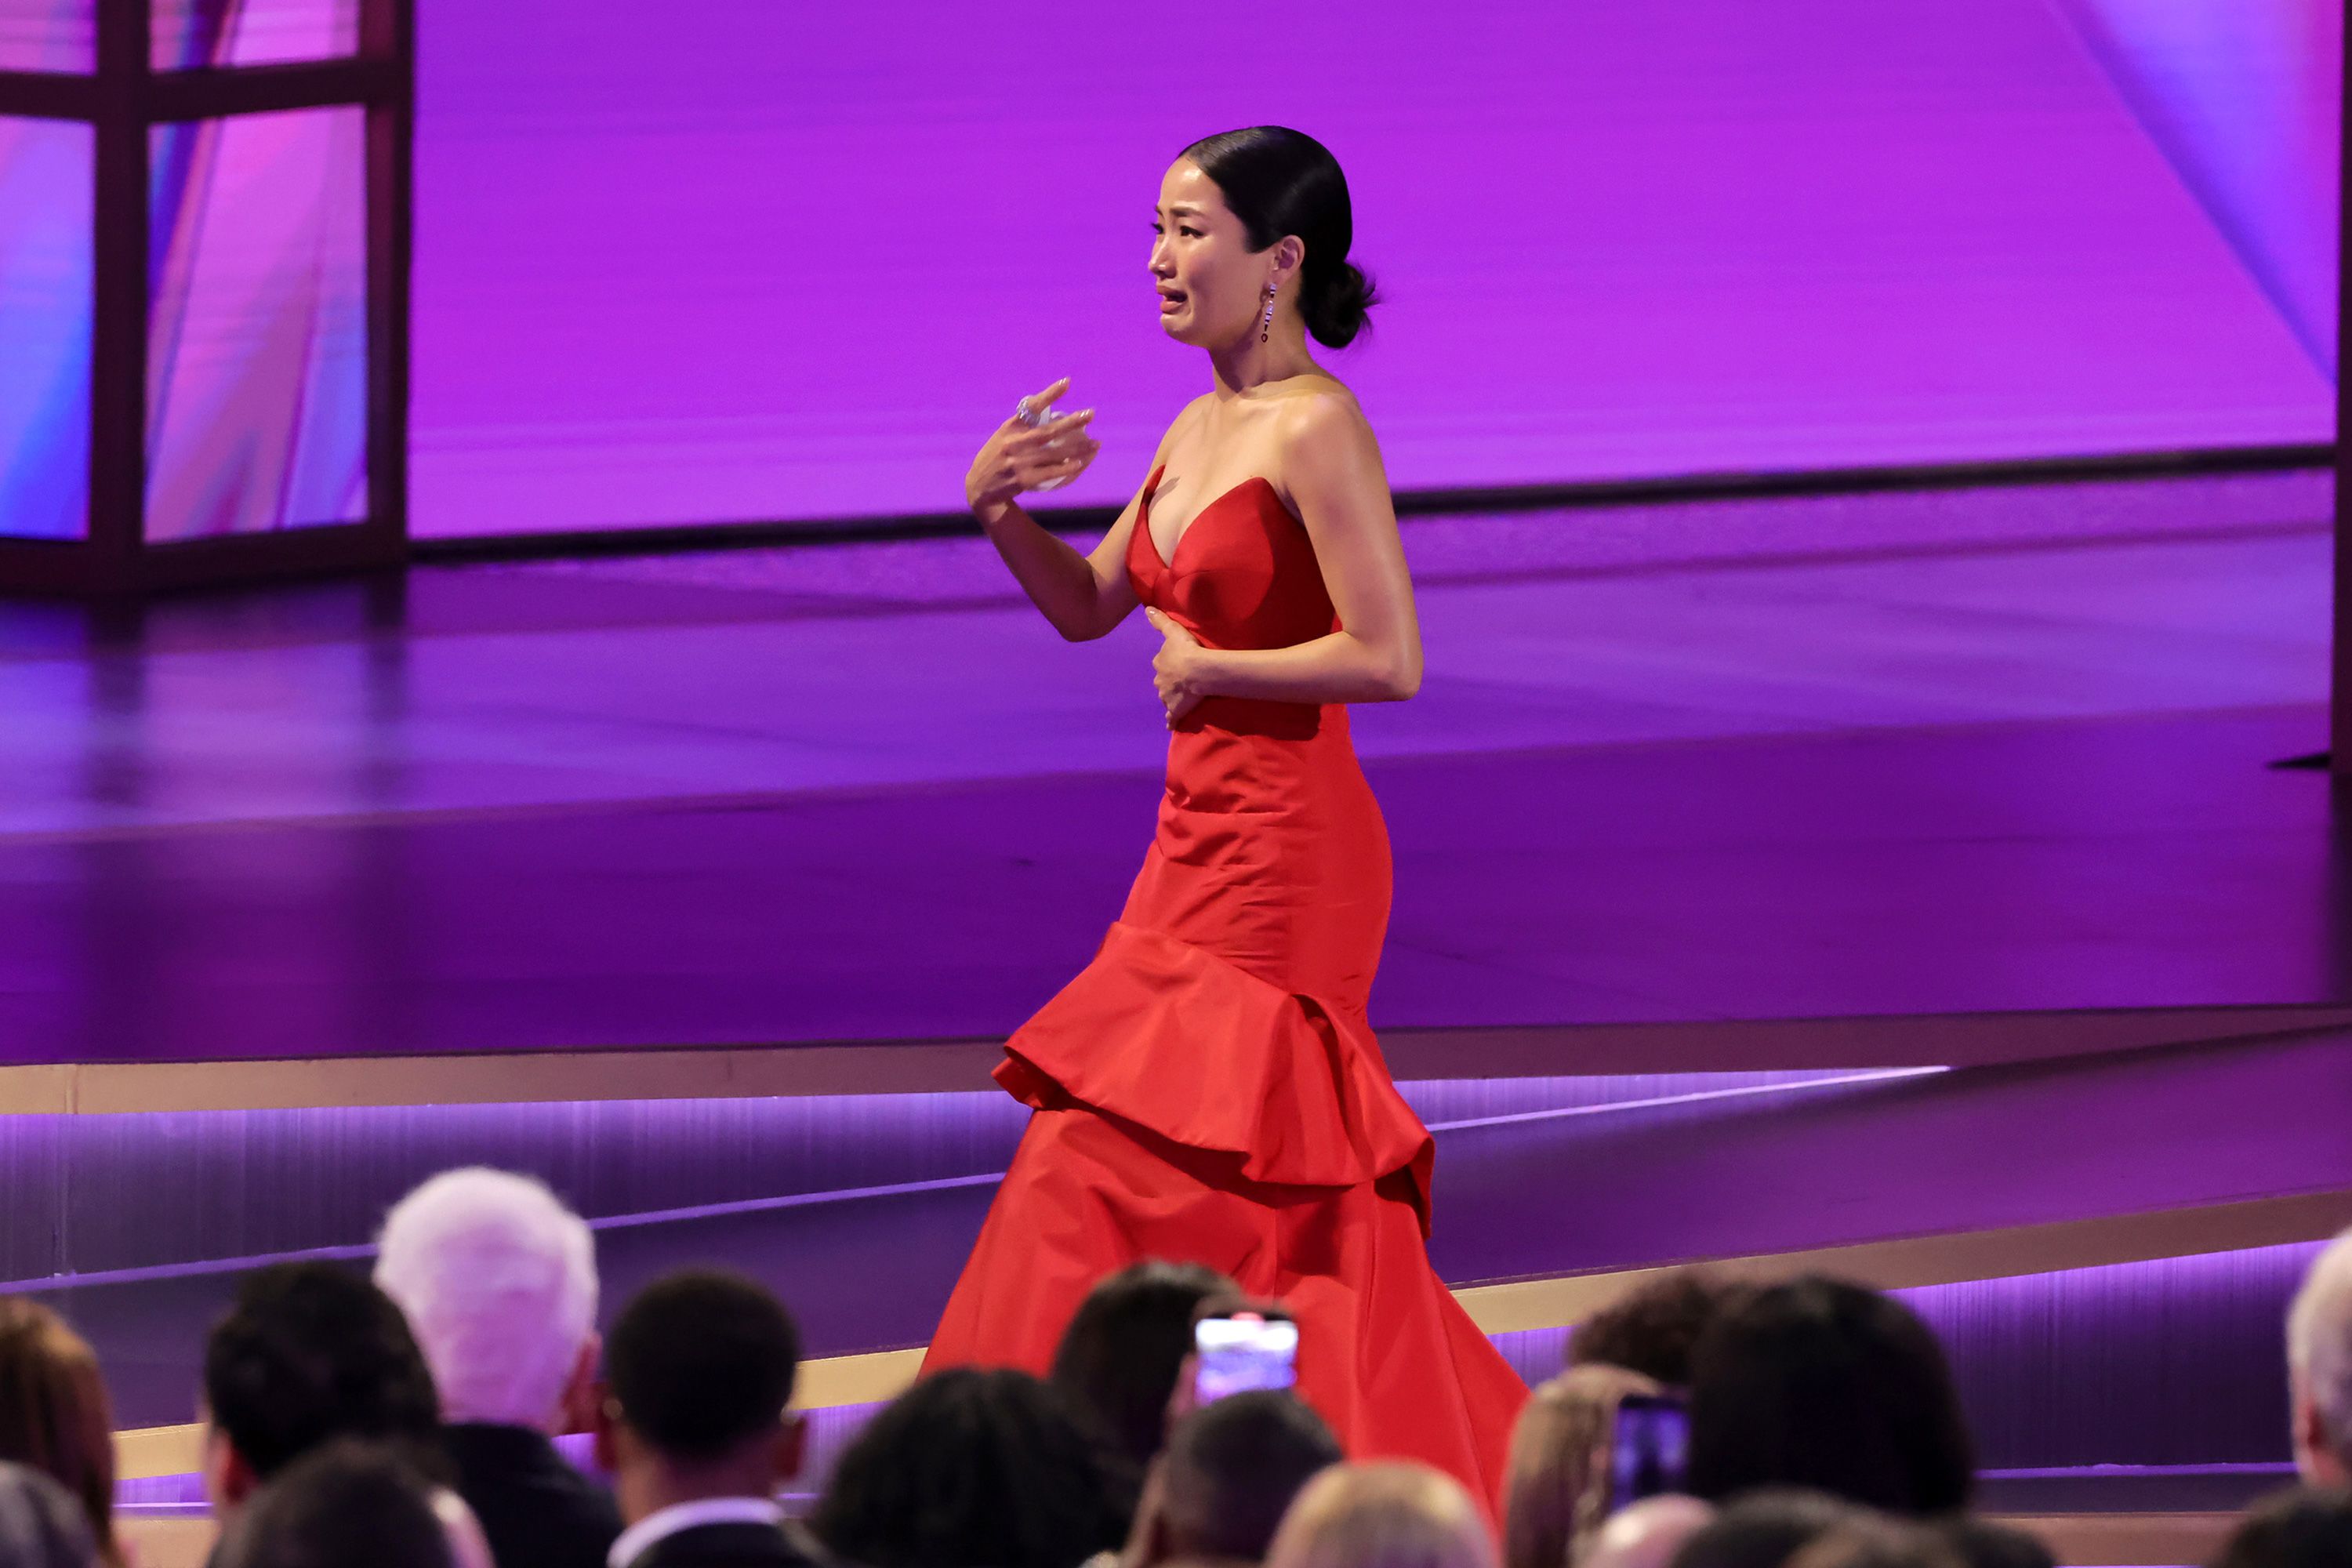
{"points": [[1266, 323]]}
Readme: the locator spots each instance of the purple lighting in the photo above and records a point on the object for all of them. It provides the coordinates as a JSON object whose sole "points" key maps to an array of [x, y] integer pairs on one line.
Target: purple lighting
{"points": [[257, 370], [45, 328], [47, 35], [773, 261], [192, 33], [2245, 98]]}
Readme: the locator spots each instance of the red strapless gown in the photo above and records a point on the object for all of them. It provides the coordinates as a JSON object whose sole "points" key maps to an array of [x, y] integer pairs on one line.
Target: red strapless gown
{"points": [[1208, 1087]]}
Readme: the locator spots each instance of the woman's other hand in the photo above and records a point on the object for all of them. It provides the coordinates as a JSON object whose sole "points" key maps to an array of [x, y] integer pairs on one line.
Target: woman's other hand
{"points": [[1176, 668]]}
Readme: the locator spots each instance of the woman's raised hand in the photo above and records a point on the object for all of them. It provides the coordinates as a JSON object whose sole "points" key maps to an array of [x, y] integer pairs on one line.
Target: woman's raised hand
{"points": [[1021, 457]]}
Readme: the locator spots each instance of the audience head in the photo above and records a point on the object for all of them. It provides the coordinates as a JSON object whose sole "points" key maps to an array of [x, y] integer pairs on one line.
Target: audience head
{"points": [[1556, 1490], [1229, 1474], [1878, 1540], [1118, 1359], [1764, 1529], [699, 1370], [1982, 1543], [1386, 1515], [55, 1415], [499, 1280], [2306, 1528], [970, 1465], [42, 1525], [1646, 1534], [309, 1352], [1821, 1383], [1652, 1328], [347, 1503], [2319, 1366]]}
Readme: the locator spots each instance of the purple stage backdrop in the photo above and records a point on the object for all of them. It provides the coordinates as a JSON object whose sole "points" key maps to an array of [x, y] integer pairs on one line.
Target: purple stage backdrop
{"points": [[765, 261]]}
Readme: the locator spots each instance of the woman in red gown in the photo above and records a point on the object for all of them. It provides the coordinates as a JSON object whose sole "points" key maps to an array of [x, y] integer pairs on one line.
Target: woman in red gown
{"points": [[1208, 1087]]}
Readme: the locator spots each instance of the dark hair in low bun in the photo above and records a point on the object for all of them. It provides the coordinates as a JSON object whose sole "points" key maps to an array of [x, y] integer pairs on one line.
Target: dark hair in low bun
{"points": [[1280, 182]]}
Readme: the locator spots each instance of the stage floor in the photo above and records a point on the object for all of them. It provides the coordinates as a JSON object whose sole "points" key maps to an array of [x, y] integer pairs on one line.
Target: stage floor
{"points": [[1933, 753]]}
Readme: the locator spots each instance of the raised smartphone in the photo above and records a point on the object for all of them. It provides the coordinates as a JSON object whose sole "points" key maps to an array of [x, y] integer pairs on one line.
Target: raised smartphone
{"points": [[1244, 1351], [1650, 1450]]}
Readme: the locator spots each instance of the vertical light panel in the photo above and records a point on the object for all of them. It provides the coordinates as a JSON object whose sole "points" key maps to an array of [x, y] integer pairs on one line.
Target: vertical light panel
{"points": [[48, 35], [45, 327], [191, 33], [256, 376]]}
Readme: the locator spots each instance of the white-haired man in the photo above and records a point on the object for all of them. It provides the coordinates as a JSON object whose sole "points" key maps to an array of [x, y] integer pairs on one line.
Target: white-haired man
{"points": [[2319, 1366], [498, 1279]]}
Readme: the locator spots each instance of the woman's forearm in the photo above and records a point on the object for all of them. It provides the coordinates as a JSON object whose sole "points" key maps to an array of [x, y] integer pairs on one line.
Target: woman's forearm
{"points": [[1339, 668], [1058, 579]]}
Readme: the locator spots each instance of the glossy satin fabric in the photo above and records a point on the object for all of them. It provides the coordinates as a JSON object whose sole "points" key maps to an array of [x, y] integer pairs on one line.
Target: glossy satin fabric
{"points": [[1208, 1087]]}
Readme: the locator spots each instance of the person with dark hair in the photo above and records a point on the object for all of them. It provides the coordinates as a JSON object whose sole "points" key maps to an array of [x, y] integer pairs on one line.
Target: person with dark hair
{"points": [[1878, 1540], [696, 1430], [311, 1352], [1117, 1360], [1764, 1529], [2307, 1527], [1821, 1383], [1652, 1328], [55, 1414], [1231, 1470], [42, 1525], [348, 1503], [1208, 1085], [970, 1465], [1987, 1543]]}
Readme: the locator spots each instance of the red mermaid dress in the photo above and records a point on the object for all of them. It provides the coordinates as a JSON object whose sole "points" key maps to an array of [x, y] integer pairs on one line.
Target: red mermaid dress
{"points": [[1208, 1087]]}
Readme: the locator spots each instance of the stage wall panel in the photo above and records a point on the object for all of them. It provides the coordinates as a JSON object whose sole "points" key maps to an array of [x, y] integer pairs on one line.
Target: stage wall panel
{"points": [[745, 261]]}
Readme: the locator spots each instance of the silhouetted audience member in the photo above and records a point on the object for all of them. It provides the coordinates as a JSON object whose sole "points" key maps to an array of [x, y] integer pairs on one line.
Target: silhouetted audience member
{"points": [[970, 1467], [1556, 1487], [1117, 1360], [1230, 1471], [344, 1504], [1647, 1535], [2319, 1366], [1879, 1540], [498, 1282], [2310, 1527], [1764, 1529], [1982, 1543], [1822, 1383], [55, 1415], [310, 1353], [697, 1431], [1389, 1515], [42, 1525], [1651, 1329]]}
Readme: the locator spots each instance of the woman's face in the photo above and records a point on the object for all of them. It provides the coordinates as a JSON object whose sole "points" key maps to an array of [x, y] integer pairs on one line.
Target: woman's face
{"points": [[1211, 284]]}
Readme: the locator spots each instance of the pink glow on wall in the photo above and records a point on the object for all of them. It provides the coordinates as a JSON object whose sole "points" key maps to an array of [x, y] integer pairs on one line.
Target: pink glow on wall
{"points": [[48, 35], [257, 392], [190, 33], [772, 261]]}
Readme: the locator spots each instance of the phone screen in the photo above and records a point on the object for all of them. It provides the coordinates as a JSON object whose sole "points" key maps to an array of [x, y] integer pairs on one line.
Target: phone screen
{"points": [[1237, 1353], [1651, 1451]]}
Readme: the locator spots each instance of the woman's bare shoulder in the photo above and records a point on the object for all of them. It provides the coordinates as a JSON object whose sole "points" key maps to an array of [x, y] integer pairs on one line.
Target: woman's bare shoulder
{"points": [[1321, 421]]}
